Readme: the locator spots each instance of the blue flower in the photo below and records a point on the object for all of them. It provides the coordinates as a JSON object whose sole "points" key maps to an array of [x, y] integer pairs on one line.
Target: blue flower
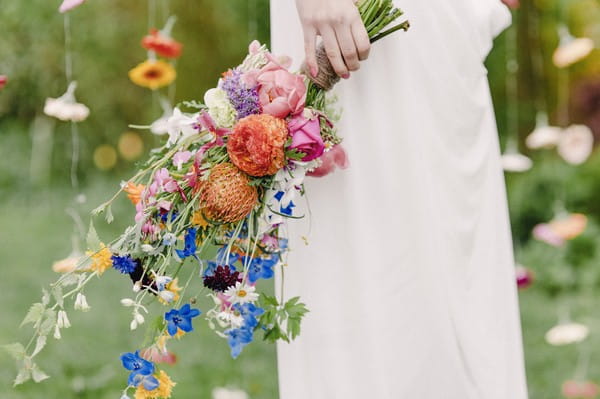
{"points": [[180, 319], [249, 313], [288, 210], [141, 370], [222, 257], [164, 216], [238, 338], [125, 264], [190, 244], [261, 268]]}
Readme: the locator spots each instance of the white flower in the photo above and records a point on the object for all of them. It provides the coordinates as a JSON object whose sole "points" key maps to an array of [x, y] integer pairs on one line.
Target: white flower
{"points": [[224, 393], [138, 318], [167, 296], [65, 107], [576, 144], [81, 303], [161, 281], [230, 318], [241, 293], [62, 320], [571, 49], [137, 287], [124, 396], [127, 302], [57, 332], [169, 239], [180, 126], [515, 162], [161, 125], [567, 333], [543, 136], [220, 108]]}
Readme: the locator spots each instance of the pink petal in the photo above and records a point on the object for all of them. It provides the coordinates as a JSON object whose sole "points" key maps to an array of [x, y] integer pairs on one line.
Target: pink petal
{"points": [[69, 5]]}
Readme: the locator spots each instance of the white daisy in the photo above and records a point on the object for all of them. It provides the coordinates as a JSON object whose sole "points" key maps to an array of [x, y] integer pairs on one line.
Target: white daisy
{"points": [[241, 293]]}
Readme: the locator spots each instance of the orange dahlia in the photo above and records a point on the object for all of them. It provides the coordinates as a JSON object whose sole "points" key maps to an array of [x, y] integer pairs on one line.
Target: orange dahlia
{"points": [[256, 144], [227, 196]]}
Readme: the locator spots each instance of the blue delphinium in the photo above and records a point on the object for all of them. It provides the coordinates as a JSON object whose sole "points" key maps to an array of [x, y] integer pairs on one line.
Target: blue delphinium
{"points": [[125, 264], [141, 371], [244, 100], [180, 319], [237, 338], [189, 244], [249, 313], [261, 268]]}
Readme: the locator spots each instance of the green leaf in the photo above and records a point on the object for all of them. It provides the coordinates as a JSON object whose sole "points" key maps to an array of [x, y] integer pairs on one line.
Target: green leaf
{"points": [[269, 300], [23, 376], [92, 239], [57, 293], [48, 323], [45, 297], [37, 374], [293, 327], [34, 314], [16, 351], [39, 345]]}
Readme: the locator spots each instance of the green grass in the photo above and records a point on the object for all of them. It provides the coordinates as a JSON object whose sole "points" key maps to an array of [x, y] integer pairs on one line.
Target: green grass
{"points": [[84, 364]]}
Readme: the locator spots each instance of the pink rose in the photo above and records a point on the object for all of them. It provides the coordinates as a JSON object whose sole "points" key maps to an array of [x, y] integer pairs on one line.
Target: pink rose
{"points": [[306, 137], [280, 92], [332, 158]]}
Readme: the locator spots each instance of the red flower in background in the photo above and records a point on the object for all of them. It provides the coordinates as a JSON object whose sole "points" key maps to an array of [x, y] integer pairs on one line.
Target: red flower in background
{"points": [[163, 45], [3, 80]]}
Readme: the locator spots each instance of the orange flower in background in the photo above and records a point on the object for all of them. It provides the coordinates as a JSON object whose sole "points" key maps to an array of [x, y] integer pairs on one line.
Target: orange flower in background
{"points": [[569, 227], [163, 45], [153, 74], [256, 144], [134, 192]]}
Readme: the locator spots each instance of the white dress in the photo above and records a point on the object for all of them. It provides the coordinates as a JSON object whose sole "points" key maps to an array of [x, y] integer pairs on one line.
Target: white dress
{"points": [[409, 271]]}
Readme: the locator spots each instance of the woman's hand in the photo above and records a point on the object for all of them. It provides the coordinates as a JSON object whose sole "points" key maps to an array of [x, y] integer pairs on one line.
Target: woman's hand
{"points": [[339, 25]]}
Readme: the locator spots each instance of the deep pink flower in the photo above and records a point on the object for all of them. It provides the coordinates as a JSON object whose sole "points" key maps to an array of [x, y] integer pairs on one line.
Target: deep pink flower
{"points": [[180, 158], [3, 81], [306, 137], [280, 92], [69, 5], [330, 159], [512, 3], [524, 277]]}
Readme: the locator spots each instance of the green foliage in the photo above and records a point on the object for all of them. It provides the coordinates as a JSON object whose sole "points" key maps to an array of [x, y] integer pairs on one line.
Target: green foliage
{"points": [[281, 321]]}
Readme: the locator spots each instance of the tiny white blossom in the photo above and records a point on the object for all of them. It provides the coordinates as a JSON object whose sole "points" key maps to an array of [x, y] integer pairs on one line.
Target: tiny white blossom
{"points": [[138, 318], [63, 320], [137, 286], [57, 332], [133, 325], [147, 248], [167, 296], [127, 302], [81, 303]]}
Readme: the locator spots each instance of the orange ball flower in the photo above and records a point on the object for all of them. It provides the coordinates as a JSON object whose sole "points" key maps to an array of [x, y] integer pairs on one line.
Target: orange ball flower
{"points": [[227, 196], [256, 144]]}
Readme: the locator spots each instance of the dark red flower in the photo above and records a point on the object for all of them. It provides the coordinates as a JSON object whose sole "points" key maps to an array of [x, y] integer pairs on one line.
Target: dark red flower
{"points": [[3, 80], [221, 279]]}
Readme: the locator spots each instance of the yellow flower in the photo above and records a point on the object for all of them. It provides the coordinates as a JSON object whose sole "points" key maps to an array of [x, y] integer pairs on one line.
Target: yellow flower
{"points": [[198, 219], [153, 74], [163, 391], [173, 288], [101, 260]]}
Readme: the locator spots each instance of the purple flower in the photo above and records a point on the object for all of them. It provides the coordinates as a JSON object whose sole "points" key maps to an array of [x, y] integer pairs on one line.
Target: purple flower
{"points": [[244, 100]]}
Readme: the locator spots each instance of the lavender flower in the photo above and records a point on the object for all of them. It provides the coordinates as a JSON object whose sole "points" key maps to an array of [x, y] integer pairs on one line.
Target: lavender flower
{"points": [[244, 100]]}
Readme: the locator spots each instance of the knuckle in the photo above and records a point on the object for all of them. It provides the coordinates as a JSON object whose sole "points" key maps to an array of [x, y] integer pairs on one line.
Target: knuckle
{"points": [[332, 54]]}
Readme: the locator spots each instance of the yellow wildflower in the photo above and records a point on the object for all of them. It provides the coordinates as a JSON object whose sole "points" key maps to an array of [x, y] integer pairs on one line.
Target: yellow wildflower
{"points": [[163, 390], [198, 219], [153, 74], [101, 260], [173, 288]]}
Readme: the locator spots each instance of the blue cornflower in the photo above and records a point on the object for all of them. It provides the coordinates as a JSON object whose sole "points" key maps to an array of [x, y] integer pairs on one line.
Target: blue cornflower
{"points": [[238, 338], [141, 370], [125, 264], [190, 244], [288, 210], [261, 268], [249, 313], [180, 319]]}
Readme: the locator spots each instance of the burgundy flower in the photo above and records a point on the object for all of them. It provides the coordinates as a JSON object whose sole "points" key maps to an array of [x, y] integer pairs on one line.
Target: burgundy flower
{"points": [[222, 279]]}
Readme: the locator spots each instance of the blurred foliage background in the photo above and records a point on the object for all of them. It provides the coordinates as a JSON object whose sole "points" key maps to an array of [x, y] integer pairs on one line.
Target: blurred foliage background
{"points": [[37, 198]]}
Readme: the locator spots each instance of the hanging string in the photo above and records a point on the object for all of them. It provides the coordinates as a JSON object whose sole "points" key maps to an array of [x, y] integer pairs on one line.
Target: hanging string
{"points": [[252, 22], [69, 78]]}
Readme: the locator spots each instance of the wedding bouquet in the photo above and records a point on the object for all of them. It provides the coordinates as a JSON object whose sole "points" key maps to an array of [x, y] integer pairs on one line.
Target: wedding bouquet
{"points": [[210, 207]]}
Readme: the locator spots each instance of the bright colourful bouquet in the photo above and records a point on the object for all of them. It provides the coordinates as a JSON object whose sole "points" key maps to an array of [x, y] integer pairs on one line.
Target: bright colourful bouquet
{"points": [[211, 206]]}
